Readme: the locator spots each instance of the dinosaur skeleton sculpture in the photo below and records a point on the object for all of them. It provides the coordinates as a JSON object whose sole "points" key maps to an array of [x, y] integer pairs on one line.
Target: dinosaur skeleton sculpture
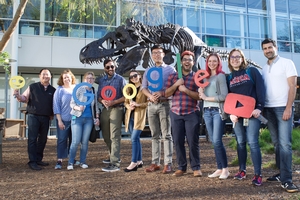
{"points": [[130, 44]]}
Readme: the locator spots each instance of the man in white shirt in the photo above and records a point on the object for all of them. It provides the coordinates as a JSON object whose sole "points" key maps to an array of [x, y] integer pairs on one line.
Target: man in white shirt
{"points": [[280, 77]]}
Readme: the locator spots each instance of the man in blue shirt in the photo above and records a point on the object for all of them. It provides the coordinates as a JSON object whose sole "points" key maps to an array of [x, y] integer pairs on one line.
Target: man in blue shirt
{"points": [[112, 114]]}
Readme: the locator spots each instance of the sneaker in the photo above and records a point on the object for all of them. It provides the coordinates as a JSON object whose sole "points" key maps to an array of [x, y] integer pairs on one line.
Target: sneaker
{"points": [[84, 166], [107, 161], [257, 180], [240, 175], [290, 187], [273, 178], [70, 167], [111, 168], [58, 165], [76, 163]]}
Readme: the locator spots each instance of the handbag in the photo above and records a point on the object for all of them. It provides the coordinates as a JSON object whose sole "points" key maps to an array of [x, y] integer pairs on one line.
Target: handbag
{"points": [[223, 115], [94, 133]]}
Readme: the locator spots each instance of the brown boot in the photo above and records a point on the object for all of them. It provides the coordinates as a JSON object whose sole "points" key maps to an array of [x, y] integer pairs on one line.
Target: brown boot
{"points": [[167, 169]]}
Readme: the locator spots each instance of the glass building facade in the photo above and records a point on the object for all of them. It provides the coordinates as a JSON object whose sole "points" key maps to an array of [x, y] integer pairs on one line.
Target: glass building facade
{"points": [[219, 23]]}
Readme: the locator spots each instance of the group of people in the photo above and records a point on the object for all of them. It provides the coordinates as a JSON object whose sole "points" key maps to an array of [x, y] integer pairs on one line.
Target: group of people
{"points": [[173, 104]]}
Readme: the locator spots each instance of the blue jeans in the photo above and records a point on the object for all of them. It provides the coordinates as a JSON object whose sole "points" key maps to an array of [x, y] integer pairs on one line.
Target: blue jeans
{"points": [[281, 134], [215, 128], [248, 133], [186, 127], [81, 130], [64, 139], [135, 142], [38, 127]]}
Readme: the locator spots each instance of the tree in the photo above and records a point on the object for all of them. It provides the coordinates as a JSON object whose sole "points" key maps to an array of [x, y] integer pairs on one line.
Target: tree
{"points": [[8, 33]]}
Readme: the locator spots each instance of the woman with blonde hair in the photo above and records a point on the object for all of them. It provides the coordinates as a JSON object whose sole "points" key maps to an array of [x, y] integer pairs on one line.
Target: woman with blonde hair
{"points": [[83, 119]]}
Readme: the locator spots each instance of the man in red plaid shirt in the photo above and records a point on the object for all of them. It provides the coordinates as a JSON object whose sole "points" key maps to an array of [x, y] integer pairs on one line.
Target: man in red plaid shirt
{"points": [[185, 115]]}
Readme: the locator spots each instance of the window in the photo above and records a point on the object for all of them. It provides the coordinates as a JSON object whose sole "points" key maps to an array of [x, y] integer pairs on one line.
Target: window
{"points": [[281, 6], [296, 30], [232, 42], [254, 44], [254, 26], [235, 24], [215, 41], [29, 28], [294, 7], [193, 20], [233, 4], [283, 29], [6, 9], [257, 4], [213, 23]]}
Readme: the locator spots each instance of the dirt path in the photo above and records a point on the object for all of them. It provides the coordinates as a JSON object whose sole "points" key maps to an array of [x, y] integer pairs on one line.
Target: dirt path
{"points": [[17, 181]]}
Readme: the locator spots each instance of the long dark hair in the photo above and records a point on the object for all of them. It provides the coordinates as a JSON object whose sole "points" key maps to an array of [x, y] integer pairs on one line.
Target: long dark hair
{"points": [[130, 90]]}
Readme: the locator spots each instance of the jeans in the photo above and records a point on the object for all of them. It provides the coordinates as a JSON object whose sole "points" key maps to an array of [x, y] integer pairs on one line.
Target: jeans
{"points": [[186, 127], [64, 139], [281, 134], [81, 130], [215, 128], [159, 124], [111, 125], [248, 133], [38, 127], [135, 142]]}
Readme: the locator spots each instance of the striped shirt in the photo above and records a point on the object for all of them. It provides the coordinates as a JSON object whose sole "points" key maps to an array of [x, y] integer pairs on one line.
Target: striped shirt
{"points": [[61, 103], [183, 104]]}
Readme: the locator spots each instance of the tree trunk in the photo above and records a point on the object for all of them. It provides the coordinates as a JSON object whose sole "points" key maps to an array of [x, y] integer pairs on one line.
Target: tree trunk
{"points": [[7, 35]]}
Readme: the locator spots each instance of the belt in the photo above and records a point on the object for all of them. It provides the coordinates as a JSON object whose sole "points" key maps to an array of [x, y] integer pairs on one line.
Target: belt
{"points": [[211, 108]]}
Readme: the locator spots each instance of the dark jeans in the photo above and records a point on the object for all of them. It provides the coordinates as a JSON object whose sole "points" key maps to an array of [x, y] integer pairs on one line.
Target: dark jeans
{"points": [[281, 134], [38, 127], [186, 127]]}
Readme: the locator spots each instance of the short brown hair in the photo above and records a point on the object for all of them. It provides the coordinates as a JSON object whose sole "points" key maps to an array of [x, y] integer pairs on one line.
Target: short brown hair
{"points": [[60, 80]]}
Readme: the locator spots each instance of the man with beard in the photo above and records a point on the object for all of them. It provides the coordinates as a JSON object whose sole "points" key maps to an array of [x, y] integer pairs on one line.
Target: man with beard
{"points": [[112, 115], [39, 99], [185, 115], [280, 77]]}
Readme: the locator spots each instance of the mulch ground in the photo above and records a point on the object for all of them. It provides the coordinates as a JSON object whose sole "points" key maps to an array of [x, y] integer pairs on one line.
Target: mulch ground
{"points": [[17, 181]]}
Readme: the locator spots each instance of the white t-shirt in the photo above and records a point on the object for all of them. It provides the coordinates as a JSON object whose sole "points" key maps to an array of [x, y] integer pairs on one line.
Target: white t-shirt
{"points": [[275, 77]]}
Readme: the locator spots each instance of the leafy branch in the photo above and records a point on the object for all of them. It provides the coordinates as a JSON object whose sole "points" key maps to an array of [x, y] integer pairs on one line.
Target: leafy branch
{"points": [[4, 61]]}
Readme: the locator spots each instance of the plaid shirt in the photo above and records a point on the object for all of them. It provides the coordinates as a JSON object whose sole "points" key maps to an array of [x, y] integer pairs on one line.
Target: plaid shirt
{"points": [[182, 104]]}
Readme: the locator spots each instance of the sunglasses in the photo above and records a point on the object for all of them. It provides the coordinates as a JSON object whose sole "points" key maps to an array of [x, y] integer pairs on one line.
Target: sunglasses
{"points": [[133, 76], [108, 67]]}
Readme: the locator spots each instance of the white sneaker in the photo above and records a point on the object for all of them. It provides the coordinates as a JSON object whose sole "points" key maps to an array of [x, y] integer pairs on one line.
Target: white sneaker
{"points": [[70, 167], [84, 166]]}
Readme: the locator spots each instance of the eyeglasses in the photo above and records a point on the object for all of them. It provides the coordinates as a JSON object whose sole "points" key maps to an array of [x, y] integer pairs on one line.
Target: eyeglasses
{"points": [[108, 67], [90, 78], [235, 57], [157, 52], [133, 76], [187, 60]]}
